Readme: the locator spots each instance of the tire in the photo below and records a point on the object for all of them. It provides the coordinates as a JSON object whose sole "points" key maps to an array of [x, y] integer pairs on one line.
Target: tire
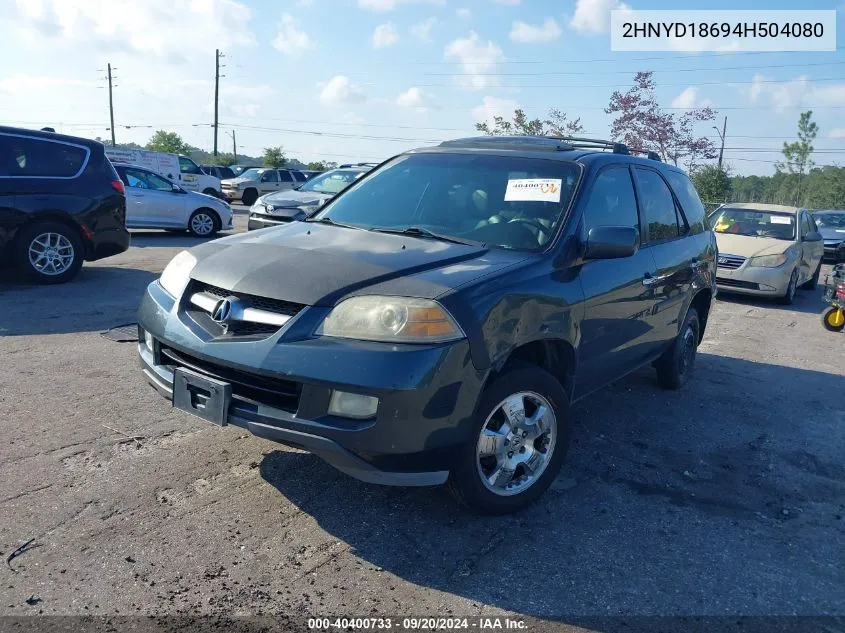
{"points": [[249, 197], [532, 386], [210, 192], [676, 364], [59, 242], [203, 223], [833, 319], [813, 281], [789, 297]]}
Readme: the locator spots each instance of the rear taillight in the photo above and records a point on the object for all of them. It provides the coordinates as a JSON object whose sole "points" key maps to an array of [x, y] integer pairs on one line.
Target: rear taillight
{"points": [[117, 185]]}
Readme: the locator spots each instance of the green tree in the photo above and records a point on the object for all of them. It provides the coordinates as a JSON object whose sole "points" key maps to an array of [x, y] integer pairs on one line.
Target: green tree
{"points": [[223, 160], [713, 184], [558, 124], [273, 157], [797, 155], [316, 165], [169, 142]]}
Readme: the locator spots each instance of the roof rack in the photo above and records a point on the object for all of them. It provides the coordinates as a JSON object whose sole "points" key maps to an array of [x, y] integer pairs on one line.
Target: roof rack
{"points": [[579, 142], [345, 165]]}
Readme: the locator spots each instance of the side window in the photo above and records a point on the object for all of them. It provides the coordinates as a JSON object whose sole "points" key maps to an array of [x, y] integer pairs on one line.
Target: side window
{"points": [[26, 156], [135, 178], [690, 202], [300, 177], [657, 207], [270, 176], [286, 177], [187, 166], [611, 200], [806, 227], [159, 183]]}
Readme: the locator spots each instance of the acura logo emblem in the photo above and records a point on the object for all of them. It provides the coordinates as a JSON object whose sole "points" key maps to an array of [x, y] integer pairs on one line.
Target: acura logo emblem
{"points": [[222, 311]]}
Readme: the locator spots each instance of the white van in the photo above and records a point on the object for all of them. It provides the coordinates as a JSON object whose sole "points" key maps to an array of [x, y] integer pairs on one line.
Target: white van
{"points": [[180, 169]]}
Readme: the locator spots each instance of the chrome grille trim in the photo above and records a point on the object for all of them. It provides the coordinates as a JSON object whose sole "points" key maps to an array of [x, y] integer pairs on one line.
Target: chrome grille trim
{"points": [[730, 261], [208, 302]]}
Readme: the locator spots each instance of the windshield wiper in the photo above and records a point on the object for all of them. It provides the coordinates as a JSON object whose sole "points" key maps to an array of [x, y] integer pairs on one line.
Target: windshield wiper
{"points": [[417, 231], [333, 223]]}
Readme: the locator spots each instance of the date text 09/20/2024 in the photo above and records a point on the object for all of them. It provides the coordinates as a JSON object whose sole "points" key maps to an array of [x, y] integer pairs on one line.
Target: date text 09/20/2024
{"points": [[417, 624]]}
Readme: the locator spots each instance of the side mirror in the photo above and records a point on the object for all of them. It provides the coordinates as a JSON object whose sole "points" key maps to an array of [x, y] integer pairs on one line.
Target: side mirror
{"points": [[612, 242], [176, 188], [813, 236]]}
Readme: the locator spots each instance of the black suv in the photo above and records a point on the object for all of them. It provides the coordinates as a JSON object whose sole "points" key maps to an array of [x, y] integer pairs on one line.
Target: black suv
{"points": [[437, 318], [61, 201]]}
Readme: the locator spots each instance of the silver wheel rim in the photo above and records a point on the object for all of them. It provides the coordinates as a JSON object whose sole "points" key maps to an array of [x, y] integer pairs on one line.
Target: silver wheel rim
{"points": [[202, 224], [51, 254], [516, 443]]}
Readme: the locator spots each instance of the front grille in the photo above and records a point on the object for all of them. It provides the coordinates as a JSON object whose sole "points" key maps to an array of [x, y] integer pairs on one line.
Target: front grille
{"points": [[276, 392], [736, 283], [730, 261], [253, 301]]}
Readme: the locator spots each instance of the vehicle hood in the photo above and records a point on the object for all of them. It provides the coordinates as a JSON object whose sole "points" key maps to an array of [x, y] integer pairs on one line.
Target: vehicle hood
{"points": [[746, 246], [199, 199], [832, 233], [293, 199], [235, 181], [317, 264]]}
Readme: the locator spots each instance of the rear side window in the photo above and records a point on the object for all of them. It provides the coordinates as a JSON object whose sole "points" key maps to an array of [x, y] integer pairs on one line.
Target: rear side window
{"points": [[270, 176], [657, 207], [286, 177], [690, 202], [611, 200], [300, 177], [225, 172], [22, 156]]}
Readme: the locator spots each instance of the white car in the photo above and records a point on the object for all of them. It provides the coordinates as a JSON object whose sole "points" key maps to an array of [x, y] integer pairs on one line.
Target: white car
{"points": [[180, 169], [153, 202]]}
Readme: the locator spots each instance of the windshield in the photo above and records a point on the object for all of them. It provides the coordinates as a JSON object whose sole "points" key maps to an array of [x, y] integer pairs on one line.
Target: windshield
{"points": [[251, 174], [830, 220], [754, 223], [331, 181], [509, 202]]}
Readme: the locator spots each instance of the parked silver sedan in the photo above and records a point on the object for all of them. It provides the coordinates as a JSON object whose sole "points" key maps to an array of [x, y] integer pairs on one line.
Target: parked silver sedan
{"points": [[153, 202]]}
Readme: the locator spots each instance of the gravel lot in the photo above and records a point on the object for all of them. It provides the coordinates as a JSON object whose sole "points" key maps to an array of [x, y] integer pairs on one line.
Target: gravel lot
{"points": [[726, 498]]}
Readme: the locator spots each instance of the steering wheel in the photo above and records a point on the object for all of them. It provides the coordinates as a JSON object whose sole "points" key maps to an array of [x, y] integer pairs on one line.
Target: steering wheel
{"points": [[533, 223]]}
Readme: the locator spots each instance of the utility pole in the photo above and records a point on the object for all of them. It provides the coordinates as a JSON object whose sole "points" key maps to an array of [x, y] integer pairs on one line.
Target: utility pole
{"points": [[722, 137], [217, 56], [234, 147], [111, 108]]}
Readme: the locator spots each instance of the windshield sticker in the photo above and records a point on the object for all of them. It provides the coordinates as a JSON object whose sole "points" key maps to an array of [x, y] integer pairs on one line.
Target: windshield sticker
{"points": [[533, 190], [780, 219]]}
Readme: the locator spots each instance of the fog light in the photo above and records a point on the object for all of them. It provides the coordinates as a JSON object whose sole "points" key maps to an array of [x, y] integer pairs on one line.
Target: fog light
{"points": [[148, 340], [352, 405]]}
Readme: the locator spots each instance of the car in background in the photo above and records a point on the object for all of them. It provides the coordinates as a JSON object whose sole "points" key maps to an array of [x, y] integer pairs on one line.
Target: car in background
{"points": [[153, 202], [238, 169], [219, 172], [831, 224], [434, 322], [766, 249], [303, 201], [179, 169], [257, 181], [61, 202], [309, 173]]}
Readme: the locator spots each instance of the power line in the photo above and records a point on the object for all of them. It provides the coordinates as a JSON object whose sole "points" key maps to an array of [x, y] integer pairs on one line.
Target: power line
{"points": [[662, 84]]}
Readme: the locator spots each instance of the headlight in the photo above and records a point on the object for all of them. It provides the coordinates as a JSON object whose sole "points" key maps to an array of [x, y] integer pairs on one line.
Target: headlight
{"points": [[177, 273], [392, 319], [768, 261]]}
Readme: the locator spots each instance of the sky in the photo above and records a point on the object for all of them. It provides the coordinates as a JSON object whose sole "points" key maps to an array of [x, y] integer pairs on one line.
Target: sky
{"points": [[362, 80]]}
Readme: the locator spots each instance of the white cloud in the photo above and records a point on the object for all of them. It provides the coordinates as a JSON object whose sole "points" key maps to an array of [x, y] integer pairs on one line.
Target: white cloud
{"points": [[477, 60], [339, 89], [291, 39], [173, 29], [415, 98], [838, 132], [384, 35], [593, 16], [422, 30], [796, 92], [686, 99], [464, 14], [382, 6], [493, 106], [528, 33]]}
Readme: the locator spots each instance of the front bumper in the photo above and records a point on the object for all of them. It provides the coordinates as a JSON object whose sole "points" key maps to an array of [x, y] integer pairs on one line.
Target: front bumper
{"points": [[754, 280], [260, 221], [427, 394], [232, 194]]}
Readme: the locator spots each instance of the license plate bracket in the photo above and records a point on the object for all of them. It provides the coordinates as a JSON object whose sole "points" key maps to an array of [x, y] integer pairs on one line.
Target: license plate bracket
{"points": [[204, 397]]}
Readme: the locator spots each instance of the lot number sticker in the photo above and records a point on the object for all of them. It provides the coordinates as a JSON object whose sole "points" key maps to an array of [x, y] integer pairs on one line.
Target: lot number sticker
{"points": [[533, 190], [779, 219]]}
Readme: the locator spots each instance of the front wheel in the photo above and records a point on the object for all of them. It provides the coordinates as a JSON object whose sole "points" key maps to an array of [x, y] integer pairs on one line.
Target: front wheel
{"points": [[789, 297], [49, 253], [203, 223], [675, 366], [833, 319], [211, 192], [813, 281], [249, 197], [518, 445]]}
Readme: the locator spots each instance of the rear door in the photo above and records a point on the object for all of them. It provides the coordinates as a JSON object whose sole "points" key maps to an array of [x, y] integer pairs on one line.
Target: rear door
{"points": [[287, 181], [616, 334], [151, 201], [811, 252], [269, 181]]}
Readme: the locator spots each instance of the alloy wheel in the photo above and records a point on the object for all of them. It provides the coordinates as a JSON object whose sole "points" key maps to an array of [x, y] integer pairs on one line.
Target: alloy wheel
{"points": [[51, 254], [516, 443], [202, 224]]}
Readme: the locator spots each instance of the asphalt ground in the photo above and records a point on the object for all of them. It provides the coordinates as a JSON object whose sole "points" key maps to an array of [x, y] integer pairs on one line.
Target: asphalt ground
{"points": [[723, 499]]}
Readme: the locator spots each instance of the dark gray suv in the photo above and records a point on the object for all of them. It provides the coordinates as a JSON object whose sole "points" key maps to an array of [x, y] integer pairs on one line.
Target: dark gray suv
{"points": [[434, 322]]}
